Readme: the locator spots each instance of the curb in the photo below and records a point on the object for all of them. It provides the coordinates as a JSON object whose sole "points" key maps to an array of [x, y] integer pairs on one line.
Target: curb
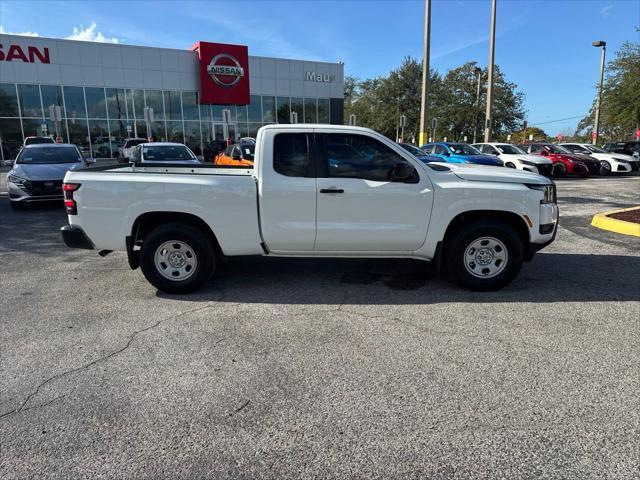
{"points": [[604, 222]]}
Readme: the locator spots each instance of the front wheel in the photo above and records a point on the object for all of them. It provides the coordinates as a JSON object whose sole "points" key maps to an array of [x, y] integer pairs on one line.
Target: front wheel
{"points": [[605, 168], [484, 255], [510, 165], [177, 258], [559, 170]]}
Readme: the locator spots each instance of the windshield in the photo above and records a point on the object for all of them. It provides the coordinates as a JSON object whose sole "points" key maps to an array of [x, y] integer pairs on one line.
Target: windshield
{"points": [[163, 153], [556, 148], [595, 149], [463, 149], [509, 149], [48, 155], [412, 149], [38, 140], [248, 150], [133, 143]]}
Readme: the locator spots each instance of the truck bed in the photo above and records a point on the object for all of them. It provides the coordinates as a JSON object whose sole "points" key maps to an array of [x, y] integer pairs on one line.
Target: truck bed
{"points": [[112, 197]]}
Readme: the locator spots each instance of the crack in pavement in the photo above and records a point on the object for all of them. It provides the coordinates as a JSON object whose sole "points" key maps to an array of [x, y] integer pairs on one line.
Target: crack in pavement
{"points": [[98, 360]]}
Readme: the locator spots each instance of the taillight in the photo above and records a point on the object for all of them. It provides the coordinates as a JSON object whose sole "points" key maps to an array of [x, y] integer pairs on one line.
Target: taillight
{"points": [[69, 203]]}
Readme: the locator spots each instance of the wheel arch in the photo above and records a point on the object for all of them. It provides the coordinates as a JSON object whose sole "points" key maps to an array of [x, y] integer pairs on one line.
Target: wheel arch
{"points": [[512, 219], [147, 221]]}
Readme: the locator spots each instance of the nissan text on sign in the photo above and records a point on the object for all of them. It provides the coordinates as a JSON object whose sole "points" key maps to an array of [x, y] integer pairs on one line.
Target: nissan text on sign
{"points": [[224, 73], [16, 53]]}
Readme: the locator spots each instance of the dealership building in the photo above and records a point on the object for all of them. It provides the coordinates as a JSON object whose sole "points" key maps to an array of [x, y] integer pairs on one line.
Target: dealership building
{"points": [[97, 94]]}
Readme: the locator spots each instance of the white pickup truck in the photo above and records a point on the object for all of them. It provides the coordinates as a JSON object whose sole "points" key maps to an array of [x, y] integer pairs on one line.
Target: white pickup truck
{"points": [[314, 191]]}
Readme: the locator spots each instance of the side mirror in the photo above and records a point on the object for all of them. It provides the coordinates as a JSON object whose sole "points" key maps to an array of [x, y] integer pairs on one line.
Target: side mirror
{"points": [[402, 170], [201, 158], [9, 163], [544, 153], [446, 154]]}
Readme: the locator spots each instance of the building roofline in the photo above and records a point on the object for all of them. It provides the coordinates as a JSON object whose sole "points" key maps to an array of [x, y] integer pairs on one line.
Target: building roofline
{"points": [[127, 45]]}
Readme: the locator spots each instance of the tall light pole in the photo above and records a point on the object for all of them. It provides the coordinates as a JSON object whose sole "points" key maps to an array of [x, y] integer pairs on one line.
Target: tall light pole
{"points": [[478, 71], [492, 43], [596, 127], [424, 101]]}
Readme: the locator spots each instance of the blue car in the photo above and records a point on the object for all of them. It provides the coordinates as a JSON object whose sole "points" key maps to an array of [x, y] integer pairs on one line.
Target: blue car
{"points": [[459, 153], [419, 154]]}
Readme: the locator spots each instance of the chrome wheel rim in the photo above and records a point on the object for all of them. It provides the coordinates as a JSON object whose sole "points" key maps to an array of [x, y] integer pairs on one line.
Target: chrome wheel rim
{"points": [[485, 257], [175, 260]]}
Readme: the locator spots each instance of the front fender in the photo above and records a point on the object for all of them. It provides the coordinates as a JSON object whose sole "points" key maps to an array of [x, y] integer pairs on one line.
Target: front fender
{"points": [[457, 197]]}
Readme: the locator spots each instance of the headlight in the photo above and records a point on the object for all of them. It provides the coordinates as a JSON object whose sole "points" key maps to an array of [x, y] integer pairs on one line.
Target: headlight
{"points": [[18, 181], [527, 162], [549, 192]]}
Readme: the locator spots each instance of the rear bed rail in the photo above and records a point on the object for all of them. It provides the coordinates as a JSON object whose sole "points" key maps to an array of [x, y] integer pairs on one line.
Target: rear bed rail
{"points": [[168, 167]]}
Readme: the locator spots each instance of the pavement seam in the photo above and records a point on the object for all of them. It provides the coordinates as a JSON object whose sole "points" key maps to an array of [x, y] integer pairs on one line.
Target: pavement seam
{"points": [[98, 360]]}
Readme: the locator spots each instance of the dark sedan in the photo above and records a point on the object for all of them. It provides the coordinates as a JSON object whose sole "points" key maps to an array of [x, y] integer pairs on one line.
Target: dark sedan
{"points": [[38, 172]]}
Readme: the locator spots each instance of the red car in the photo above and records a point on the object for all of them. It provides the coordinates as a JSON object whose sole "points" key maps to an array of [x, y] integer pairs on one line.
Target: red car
{"points": [[564, 161]]}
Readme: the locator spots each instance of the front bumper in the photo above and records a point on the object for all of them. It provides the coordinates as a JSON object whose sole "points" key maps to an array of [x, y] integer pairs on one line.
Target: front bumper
{"points": [[74, 237], [536, 247], [546, 231], [35, 193], [622, 168], [577, 169]]}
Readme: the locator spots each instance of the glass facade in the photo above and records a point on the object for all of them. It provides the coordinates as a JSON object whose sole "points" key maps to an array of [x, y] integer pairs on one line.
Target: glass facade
{"points": [[98, 120]]}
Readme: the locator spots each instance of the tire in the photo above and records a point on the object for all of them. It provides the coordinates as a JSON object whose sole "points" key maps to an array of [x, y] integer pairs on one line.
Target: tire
{"points": [[177, 247], [559, 170], [605, 168], [510, 165], [466, 250]]}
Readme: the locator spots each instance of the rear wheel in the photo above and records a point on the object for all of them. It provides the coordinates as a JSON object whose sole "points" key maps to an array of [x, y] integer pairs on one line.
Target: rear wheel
{"points": [[509, 165], [177, 258], [484, 255]]}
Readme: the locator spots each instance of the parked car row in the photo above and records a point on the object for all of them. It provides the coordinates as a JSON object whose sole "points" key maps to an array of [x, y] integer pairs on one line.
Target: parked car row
{"points": [[41, 164], [543, 158], [39, 168]]}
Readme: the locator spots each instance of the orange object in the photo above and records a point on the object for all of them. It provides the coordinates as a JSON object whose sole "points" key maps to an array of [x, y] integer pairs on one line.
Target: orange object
{"points": [[237, 155]]}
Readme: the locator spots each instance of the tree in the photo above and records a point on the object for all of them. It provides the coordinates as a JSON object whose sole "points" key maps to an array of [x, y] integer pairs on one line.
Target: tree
{"points": [[379, 102], [620, 104], [517, 135], [462, 110]]}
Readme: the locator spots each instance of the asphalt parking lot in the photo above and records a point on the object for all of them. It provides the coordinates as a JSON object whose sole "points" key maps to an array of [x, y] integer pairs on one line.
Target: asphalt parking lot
{"points": [[322, 368]]}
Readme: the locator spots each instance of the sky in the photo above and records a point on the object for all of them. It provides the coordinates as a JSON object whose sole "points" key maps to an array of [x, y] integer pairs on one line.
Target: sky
{"points": [[544, 46]]}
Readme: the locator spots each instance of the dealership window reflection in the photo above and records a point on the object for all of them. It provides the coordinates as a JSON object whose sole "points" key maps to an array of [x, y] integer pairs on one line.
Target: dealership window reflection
{"points": [[30, 103], [96, 119], [8, 100]]}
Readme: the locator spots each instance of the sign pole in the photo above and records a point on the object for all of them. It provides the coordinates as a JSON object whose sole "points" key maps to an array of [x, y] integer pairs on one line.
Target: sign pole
{"points": [[426, 77], [597, 119], [492, 44]]}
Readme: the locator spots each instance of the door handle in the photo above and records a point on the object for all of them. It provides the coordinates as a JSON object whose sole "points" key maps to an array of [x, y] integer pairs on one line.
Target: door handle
{"points": [[331, 190]]}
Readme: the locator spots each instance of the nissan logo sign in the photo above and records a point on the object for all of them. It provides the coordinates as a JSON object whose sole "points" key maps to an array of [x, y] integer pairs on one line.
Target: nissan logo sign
{"points": [[225, 70]]}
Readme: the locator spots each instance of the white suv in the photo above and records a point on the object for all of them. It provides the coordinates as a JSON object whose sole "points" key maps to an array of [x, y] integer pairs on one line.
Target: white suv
{"points": [[514, 157]]}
